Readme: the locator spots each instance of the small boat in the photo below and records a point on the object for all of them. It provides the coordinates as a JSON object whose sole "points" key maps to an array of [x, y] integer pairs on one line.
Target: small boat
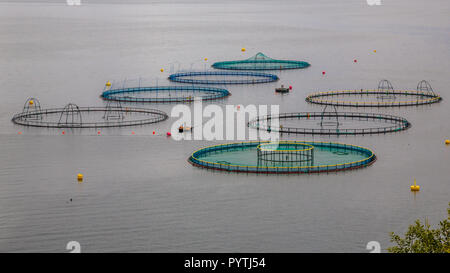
{"points": [[184, 128], [282, 89]]}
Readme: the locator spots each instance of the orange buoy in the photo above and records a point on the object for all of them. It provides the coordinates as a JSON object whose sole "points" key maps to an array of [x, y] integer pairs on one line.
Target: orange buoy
{"points": [[19, 133]]}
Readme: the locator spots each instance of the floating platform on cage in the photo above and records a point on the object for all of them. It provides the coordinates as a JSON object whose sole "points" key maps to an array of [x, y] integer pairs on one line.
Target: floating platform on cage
{"points": [[384, 96], [223, 77], [282, 89], [72, 116], [284, 157], [260, 62], [165, 94], [330, 123]]}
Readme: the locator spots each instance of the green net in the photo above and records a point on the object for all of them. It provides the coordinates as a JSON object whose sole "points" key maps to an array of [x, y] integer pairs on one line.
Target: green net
{"points": [[305, 157], [260, 62]]}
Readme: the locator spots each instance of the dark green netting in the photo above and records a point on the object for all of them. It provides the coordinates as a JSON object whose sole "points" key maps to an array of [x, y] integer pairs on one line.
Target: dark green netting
{"points": [[260, 62]]}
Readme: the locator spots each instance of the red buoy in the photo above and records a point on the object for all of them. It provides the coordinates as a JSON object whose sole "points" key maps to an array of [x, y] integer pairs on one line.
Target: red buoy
{"points": [[290, 87], [169, 134], [323, 72], [153, 132], [355, 60]]}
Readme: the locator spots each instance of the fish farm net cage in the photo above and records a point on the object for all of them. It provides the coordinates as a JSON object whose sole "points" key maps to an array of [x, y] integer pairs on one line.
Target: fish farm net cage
{"points": [[284, 157], [384, 96], [72, 116], [285, 154], [223, 77], [260, 62], [331, 123], [165, 94]]}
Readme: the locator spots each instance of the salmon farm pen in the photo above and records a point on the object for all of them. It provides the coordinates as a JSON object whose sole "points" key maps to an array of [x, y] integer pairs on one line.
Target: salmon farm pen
{"points": [[284, 157], [260, 62], [331, 123], [223, 77], [165, 94], [72, 116], [384, 96]]}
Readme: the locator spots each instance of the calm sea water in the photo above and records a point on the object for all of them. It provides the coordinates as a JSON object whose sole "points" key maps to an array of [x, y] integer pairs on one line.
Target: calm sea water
{"points": [[141, 195]]}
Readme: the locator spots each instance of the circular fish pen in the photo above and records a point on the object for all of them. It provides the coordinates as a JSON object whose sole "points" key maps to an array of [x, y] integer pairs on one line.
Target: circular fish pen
{"points": [[331, 123], [260, 62], [384, 96], [72, 116], [165, 94], [284, 157], [223, 77]]}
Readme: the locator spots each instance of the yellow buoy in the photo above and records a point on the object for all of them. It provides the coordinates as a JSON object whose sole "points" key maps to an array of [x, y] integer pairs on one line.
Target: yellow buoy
{"points": [[162, 69], [80, 177], [375, 51], [206, 59], [415, 187], [447, 141], [243, 49], [31, 102], [108, 83]]}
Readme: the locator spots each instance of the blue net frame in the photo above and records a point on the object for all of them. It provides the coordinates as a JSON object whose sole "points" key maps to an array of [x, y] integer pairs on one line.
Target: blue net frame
{"points": [[205, 93], [248, 77], [260, 62]]}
